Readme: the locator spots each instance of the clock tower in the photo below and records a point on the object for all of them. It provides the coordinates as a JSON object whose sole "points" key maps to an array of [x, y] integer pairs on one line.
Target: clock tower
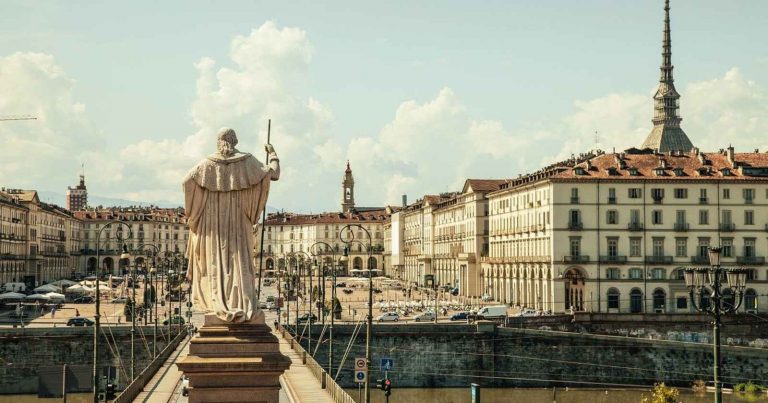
{"points": [[348, 191]]}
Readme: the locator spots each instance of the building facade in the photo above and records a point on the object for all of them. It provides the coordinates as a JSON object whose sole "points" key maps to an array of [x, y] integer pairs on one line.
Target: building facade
{"points": [[14, 250], [164, 228], [77, 197]]}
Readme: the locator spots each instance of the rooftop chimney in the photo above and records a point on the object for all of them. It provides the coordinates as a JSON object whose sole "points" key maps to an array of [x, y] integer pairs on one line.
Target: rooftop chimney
{"points": [[405, 200]]}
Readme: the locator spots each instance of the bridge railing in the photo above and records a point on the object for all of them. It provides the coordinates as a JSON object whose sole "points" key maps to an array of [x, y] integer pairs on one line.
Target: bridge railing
{"points": [[134, 388], [336, 392]]}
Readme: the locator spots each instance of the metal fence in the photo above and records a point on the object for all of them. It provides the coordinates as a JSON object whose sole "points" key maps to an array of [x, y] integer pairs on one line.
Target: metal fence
{"points": [[338, 394], [134, 388]]}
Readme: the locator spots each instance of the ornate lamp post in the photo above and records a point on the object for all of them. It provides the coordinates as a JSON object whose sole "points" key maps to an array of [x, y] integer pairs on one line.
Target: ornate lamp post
{"points": [[97, 316], [698, 279], [300, 264], [369, 326], [333, 299], [153, 275]]}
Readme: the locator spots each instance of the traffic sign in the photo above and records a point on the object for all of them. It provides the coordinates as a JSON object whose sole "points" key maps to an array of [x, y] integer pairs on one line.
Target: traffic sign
{"points": [[361, 363], [387, 364], [361, 376]]}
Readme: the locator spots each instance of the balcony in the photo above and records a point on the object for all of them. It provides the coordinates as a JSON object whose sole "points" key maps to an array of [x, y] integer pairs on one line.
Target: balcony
{"points": [[727, 227], [658, 259], [703, 200], [613, 259], [576, 259], [611, 200], [681, 226], [574, 200], [750, 260], [575, 226], [635, 226], [700, 259]]}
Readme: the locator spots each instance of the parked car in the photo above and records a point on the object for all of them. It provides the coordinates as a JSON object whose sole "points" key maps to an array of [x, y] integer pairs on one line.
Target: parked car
{"points": [[306, 316], [271, 305], [492, 312], [460, 316], [271, 298], [341, 285], [347, 291], [79, 321], [388, 317], [267, 282], [262, 305], [486, 298], [427, 316], [176, 320], [527, 312], [120, 300]]}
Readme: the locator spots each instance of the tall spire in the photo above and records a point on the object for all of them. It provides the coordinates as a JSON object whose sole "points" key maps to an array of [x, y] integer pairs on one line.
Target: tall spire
{"points": [[666, 134]]}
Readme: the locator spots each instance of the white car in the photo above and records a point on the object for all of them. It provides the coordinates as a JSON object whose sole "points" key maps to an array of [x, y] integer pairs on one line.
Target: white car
{"points": [[388, 317], [528, 313], [270, 305], [428, 316], [486, 297]]}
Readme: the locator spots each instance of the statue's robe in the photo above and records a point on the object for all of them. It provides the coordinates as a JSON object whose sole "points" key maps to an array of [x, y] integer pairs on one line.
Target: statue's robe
{"points": [[224, 198]]}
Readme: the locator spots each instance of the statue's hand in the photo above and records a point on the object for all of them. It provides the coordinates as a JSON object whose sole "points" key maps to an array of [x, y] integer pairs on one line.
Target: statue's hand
{"points": [[269, 148]]}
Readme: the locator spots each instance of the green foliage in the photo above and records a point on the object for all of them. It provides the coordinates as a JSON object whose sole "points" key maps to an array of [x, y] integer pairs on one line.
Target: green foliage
{"points": [[749, 388], [662, 394]]}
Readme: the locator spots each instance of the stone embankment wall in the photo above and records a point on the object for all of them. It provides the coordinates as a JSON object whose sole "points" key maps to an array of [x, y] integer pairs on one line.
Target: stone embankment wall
{"points": [[24, 351], [456, 355]]}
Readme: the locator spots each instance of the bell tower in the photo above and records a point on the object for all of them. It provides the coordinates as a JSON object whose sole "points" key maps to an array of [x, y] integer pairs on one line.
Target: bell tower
{"points": [[347, 191]]}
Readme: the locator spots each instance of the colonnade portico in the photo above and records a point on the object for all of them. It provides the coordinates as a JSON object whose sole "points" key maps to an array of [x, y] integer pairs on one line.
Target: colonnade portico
{"points": [[521, 284]]}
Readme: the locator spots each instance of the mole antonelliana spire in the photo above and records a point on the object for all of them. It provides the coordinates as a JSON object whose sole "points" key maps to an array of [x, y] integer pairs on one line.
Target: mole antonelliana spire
{"points": [[667, 134]]}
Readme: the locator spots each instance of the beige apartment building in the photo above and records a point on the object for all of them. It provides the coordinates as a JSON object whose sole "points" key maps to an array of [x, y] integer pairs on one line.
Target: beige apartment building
{"points": [[165, 228], [14, 250]]}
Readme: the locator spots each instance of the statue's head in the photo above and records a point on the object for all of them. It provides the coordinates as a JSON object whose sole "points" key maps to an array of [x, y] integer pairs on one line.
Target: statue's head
{"points": [[227, 140]]}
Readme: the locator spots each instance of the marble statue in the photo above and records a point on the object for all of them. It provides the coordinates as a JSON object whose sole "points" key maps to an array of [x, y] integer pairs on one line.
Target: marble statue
{"points": [[224, 197]]}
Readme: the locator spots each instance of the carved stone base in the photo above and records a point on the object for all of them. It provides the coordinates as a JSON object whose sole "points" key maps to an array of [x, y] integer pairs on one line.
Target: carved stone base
{"points": [[234, 363]]}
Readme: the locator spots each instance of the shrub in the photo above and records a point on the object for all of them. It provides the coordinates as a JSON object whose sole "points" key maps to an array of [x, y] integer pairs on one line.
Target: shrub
{"points": [[662, 394]]}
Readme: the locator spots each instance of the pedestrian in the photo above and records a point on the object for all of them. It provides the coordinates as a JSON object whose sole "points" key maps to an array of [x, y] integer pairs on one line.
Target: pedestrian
{"points": [[53, 312], [77, 312]]}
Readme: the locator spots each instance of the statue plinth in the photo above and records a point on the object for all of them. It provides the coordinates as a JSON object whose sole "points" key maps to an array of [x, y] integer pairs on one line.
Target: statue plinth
{"points": [[234, 362]]}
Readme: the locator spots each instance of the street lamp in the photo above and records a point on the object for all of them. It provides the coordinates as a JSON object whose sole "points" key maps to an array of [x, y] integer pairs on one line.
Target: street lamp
{"points": [[153, 275], [97, 315], [698, 279], [369, 327], [333, 299], [300, 264]]}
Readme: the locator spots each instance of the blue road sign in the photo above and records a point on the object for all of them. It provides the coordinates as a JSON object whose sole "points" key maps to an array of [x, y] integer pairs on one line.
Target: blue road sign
{"points": [[387, 364], [360, 376]]}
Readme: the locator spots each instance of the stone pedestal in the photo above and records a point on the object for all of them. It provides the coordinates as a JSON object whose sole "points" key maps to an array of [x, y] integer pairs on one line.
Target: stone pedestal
{"points": [[234, 363]]}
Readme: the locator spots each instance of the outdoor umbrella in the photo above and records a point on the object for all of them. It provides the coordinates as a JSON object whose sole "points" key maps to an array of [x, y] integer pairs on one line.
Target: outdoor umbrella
{"points": [[47, 288], [64, 283], [12, 296], [55, 296], [37, 297]]}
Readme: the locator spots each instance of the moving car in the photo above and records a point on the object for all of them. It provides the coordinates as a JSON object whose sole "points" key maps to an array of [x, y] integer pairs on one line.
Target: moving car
{"points": [[342, 285], [388, 317], [492, 312], [460, 316], [428, 316], [305, 317], [79, 321]]}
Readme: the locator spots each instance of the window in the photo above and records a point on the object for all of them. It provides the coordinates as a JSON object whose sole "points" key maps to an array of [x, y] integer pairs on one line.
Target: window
{"points": [[575, 217], [749, 247], [703, 196], [680, 217], [658, 273], [635, 273], [658, 246], [681, 247], [726, 217], [681, 193], [703, 217], [611, 195], [635, 193], [657, 194], [613, 247], [656, 217], [727, 245], [634, 216], [682, 303], [726, 193], [634, 247], [575, 246], [749, 195], [749, 217], [612, 273], [703, 247], [612, 217], [574, 195], [613, 298]]}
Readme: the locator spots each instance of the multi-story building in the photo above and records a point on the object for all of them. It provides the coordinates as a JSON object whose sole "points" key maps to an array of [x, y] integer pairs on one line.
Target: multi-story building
{"points": [[287, 233], [47, 244], [77, 197], [165, 228], [416, 242], [613, 232], [14, 218]]}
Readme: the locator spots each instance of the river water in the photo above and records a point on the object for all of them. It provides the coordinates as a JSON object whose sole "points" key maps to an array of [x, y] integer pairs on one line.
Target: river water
{"points": [[515, 395]]}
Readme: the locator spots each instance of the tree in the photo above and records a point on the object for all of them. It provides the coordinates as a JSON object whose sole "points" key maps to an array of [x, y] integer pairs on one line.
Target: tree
{"points": [[662, 394]]}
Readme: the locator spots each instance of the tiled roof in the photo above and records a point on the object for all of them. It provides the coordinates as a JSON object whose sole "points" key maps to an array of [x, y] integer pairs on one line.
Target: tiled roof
{"points": [[132, 214], [485, 185], [644, 165]]}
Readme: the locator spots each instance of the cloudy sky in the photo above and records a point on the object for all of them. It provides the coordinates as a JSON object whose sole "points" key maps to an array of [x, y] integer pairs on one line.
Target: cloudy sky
{"points": [[417, 95]]}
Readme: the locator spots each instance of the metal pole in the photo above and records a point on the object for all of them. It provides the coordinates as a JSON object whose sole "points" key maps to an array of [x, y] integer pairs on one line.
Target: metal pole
{"points": [[716, 330], [97, 320], [369, 327], [64, 383], [333, 313], [133, 320], [309, 315], [154, 301]]}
